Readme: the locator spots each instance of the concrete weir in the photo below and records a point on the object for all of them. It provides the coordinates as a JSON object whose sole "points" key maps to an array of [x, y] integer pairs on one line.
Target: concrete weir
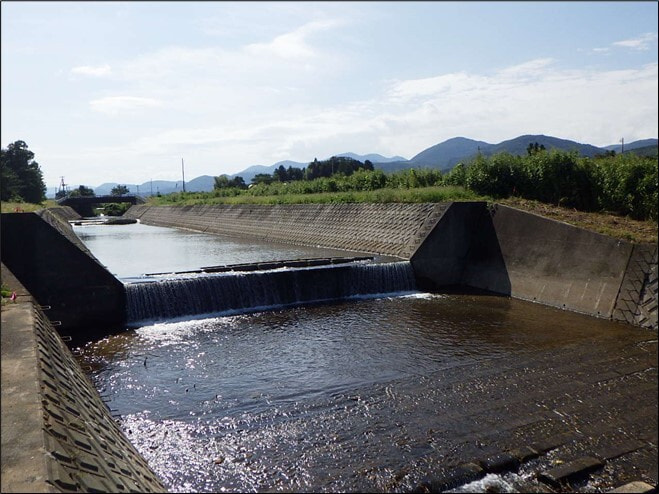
{"points": [[58, 435], [499, 249]]}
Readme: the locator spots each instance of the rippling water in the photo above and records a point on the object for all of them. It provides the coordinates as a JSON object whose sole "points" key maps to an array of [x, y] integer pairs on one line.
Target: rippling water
{"points": [[340, 397]]}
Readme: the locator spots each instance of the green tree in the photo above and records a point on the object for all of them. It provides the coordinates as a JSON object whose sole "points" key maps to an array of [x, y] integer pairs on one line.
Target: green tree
{"points": [[119, 190], [221, 182], [238, 182], [534, 148], [20, 176], [280, 174], [295, 173], [262, 178], [82, 191]]}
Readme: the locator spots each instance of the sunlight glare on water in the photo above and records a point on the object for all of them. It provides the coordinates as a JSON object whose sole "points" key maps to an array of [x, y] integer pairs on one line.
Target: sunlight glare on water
{"points": [[340, 397]]}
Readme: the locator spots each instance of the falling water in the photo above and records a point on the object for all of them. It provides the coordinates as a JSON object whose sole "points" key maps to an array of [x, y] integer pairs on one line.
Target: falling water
{"points": [[233, 292]]}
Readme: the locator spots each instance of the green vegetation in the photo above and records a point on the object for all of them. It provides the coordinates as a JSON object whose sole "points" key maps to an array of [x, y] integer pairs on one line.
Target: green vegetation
{"points": [[119, 190], [625, 185], [6, 294], [82, 191], [615, 194], [418, 195], [21, 179], [5, 291], [115, 209], [25, 207]]}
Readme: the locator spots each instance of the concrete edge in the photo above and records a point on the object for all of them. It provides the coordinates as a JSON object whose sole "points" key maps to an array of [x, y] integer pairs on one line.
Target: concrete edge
{"points": [[57, 433]]}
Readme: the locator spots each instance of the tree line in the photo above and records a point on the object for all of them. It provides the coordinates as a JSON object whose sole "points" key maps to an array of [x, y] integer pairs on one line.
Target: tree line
{"points": [[21, 179], [624, 184], [340, 165]]}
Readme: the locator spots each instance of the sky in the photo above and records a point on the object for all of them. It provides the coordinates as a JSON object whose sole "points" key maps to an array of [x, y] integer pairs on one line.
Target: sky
{"points": [[123, 91]]}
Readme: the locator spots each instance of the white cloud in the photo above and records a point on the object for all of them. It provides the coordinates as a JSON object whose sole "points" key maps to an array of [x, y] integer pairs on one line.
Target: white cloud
{"points": [[114, 105], [225, 125], [591, 106], [293, 45], [92, 71], [641, 43], [284, 61], [587, 106], [527, 69]]}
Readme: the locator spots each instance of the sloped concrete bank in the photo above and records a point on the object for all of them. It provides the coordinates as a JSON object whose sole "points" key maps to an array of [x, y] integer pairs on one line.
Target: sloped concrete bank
{"points": [[387, 229], [57, 434], [494, 248], [46, 255]]}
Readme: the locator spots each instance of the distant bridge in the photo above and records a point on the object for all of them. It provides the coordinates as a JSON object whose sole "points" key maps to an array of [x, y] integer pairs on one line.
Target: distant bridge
{"points": [[83, 205]]}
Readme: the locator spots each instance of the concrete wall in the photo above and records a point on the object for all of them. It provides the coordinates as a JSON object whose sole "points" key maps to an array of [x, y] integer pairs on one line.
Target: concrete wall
{"points": [[559, 264], [57, 434], [498, 249], [637, 299], [387, 229], [48, 258], [462, 239], [512, 252]]}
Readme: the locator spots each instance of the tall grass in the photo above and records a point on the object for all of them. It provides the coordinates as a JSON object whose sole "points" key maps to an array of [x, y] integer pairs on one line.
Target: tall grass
{"points": [[418, 195], [25, 207]]}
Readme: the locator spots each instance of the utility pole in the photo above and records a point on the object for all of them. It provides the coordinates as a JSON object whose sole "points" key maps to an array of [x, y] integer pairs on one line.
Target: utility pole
{"points": [[62, 187], [183, 172], [151, 186], [622, 148]]}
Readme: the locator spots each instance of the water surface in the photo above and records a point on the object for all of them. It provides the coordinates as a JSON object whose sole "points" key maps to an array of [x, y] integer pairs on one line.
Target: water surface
{"points": [[130, 251], [354, 396]]}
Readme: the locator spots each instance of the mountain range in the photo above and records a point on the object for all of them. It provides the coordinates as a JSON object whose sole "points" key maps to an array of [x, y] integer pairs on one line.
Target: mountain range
{"points": [[442, 156]]}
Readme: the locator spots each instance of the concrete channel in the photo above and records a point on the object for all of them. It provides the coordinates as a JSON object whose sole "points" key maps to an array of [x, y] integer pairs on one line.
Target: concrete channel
{"points": [[59, 436]]}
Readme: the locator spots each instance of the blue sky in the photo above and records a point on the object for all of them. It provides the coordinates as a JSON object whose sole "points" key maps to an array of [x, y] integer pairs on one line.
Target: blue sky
{"points": [[122, 91]]}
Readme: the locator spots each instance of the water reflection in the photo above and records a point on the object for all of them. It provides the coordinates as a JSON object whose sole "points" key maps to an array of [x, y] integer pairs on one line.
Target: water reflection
{"points": [[130, 251]]}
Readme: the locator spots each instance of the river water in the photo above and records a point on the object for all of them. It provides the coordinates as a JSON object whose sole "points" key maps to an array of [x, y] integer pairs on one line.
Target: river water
{"points": [[355, 395], [130, 251]]}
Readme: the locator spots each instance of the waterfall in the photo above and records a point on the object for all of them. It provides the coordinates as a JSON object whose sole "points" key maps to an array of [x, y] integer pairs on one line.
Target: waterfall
{"points": [[242, 291]]}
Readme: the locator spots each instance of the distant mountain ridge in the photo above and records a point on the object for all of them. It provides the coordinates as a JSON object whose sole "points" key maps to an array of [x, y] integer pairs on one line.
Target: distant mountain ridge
{"points": [[442, 156], [447, 154], [643, 143]]}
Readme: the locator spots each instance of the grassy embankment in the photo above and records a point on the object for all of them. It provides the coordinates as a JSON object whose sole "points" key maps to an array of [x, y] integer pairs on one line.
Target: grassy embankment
{"points": [[24, 207], [418, 195]]}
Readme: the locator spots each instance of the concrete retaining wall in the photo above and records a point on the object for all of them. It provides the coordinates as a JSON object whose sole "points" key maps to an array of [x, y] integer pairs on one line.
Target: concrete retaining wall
{"points": [[558, 264], [637, 300], [512, 252], [57, 434], [387, 229], [59, 271]]}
